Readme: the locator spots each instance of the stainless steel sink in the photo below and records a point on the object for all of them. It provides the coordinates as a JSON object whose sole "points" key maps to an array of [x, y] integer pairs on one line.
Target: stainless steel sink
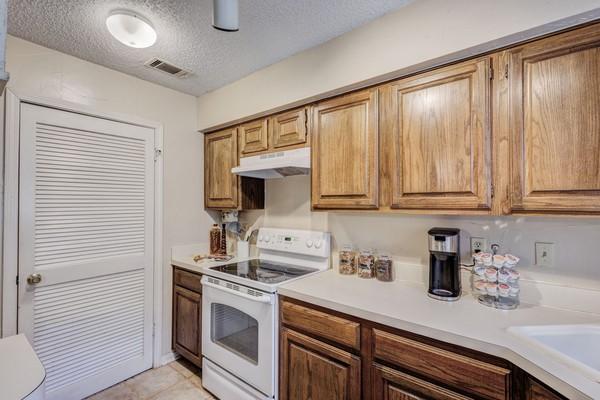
{"points": [[576, 345]]}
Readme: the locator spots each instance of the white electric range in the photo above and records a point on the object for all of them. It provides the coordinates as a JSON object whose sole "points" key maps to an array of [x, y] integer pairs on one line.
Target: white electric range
{"points": [[239, 312]]}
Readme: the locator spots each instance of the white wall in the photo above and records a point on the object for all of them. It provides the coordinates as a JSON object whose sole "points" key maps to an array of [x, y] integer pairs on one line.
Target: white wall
{"points": [[405, 236], [38, 71], [421, 31], [424, 30]]}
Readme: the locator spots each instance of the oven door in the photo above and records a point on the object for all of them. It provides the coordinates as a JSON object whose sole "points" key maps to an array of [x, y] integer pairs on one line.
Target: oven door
{"points": [[238, 331]]}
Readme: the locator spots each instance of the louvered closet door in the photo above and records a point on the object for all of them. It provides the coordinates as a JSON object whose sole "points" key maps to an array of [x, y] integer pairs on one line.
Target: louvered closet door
{"points": [[86, 227]]}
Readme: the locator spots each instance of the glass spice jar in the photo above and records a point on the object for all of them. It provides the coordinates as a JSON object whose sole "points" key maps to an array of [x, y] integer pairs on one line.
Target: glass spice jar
{"points": [[215, 239], [366, 264], [347, 262], [384, 268]]}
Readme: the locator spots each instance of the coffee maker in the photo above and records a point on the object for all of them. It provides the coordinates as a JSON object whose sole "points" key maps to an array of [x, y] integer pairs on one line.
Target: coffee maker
{"points": [[444, 264]]}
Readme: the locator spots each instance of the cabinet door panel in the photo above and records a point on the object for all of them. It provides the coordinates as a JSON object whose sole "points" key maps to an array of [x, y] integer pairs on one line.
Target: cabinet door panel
{"points": [[311, 369], [537, 391], [289, 129], [390, 384], [345, 152], [254, 137], [442, 138], [220, 155], [187, 321], [555, 98]]}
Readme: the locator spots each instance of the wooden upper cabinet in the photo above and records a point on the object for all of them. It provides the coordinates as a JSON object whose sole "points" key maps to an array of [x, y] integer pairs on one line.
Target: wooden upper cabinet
{"points": [[220, 155], [311, 369], [254, 137], [345, 152], [555, 124], [441, 140], [289, 129]]}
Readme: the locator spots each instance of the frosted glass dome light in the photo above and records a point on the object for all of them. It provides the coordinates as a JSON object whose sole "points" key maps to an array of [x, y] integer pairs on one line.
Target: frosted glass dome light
{"points": [[131, 29]]}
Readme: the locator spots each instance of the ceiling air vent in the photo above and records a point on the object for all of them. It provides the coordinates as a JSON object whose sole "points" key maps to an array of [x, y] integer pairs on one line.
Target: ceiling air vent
{"points": [[168, 68]]}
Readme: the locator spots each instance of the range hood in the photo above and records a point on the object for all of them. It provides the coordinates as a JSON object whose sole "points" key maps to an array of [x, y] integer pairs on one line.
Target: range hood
{"points": [[275, 165]]}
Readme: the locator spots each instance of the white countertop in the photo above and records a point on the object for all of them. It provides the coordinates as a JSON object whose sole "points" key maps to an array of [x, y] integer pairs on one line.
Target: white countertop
{"points": [[405, 305], [21, 372]]}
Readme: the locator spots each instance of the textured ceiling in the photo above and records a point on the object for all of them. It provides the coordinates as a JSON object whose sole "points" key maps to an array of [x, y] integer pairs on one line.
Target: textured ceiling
{"points": [[270, 30]]}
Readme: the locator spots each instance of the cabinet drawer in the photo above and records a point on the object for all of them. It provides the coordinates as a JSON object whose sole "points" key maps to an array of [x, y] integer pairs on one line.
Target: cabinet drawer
{"points": [[324, 325], [188, 280], [395, 385], [466, 373]]}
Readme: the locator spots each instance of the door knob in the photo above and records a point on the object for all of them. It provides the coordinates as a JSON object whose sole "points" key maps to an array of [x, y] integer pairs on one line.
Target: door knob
{"points": [[34, 278]]}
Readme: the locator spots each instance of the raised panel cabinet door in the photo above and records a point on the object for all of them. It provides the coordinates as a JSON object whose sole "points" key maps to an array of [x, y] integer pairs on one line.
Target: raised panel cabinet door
{"points": [[537, 391], [345, 152], [254, 137], [220, 155], [441, 138], [289, 129], [311, 369], [555, 123], [187, 324], [391, 384]]}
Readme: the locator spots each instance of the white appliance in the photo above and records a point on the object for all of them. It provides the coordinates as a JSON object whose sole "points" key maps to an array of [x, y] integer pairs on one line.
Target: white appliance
{"points": [[275, 165], [239, 312]]}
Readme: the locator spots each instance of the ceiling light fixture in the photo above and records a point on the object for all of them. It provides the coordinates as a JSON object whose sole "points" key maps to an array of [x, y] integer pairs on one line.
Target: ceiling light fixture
{"points": [[131, 29], [226, 15]]}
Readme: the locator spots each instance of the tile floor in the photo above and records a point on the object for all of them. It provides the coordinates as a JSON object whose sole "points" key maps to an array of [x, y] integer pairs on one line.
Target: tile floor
{"points": [[178, 380]]}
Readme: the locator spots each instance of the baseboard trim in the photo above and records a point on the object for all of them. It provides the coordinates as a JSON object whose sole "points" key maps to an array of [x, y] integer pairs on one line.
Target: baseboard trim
{"points": [[167, 358]]}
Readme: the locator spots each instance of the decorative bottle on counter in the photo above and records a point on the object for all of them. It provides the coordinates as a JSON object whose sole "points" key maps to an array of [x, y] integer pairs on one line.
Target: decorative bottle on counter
{"points": [[223, 249], [215, 239]]}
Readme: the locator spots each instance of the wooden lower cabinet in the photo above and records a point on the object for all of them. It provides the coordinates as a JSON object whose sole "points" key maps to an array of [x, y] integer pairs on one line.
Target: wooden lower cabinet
{"points": [[311, 369], [391, 384], [537, 391], [187, 317], [321, 360]]}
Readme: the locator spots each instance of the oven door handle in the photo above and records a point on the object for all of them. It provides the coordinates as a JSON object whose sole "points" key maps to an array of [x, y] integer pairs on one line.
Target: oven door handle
{"points": [[265, 298]]}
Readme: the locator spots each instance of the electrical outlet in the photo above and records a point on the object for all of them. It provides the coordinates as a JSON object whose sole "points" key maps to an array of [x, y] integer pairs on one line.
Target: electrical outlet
{"points": [[478, 244], [544, 254]]}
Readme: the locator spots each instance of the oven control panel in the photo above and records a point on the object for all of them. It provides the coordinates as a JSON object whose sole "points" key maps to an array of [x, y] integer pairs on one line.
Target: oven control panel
{"points": [[313, 243]]}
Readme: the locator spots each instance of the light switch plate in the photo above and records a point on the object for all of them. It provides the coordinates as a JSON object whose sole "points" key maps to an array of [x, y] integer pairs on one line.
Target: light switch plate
{"points": [[544, 254]]}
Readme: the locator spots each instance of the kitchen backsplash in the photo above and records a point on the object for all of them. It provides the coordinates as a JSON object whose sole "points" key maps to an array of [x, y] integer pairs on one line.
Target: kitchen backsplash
{"points": [[576, 260]]}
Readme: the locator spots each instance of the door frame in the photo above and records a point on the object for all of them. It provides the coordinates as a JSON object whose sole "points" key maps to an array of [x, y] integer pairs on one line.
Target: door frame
{"points": [[9, 292]]}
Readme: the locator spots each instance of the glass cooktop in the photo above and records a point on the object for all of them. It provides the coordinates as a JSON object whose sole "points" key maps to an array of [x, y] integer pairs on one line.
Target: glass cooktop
{"points": [[264, 271]]}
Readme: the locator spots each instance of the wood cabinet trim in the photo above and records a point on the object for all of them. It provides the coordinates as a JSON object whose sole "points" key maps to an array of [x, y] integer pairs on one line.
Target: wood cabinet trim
{"points": [[365, 194]]}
